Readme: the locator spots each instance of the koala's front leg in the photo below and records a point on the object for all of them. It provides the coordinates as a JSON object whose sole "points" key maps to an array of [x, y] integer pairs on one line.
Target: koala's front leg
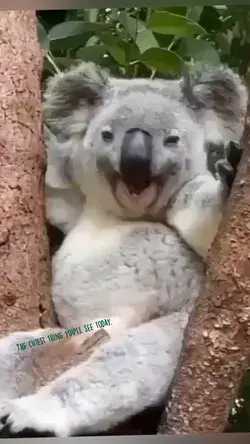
{"points": [[63, 207], [196, 211], [16, 376], [31, 359], [124, 377]]}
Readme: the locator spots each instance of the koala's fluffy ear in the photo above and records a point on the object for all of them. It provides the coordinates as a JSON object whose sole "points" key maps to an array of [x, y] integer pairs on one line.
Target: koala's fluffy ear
{"points": [[220, 90], [70, 100], [71, 97]]}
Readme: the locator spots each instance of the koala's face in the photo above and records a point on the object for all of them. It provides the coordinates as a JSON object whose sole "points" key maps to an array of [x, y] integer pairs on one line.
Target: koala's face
{"points": [[139, 147]]}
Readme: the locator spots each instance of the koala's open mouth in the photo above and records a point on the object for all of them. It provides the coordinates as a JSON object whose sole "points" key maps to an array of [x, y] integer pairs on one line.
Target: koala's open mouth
{"points": [[136, 198], [134, 192]]}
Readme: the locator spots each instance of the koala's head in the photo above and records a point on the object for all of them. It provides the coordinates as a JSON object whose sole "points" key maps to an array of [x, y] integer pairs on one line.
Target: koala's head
{"points": [[129, 145]]}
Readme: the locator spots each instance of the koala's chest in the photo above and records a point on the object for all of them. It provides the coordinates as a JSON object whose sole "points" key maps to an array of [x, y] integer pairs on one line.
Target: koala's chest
{"points": [[140, 265]]}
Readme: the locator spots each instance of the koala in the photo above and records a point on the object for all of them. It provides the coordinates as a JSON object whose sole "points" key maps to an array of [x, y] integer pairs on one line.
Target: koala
{"points": [[133, 184]]}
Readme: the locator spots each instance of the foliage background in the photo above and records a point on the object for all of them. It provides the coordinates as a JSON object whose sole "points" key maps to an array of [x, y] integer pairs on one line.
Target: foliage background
{"points": [[147, 42]]}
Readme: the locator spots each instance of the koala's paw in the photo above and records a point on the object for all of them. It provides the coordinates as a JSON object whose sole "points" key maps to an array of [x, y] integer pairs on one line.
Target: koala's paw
{"points": [[234, 152], [32, 416], [227, 168]]}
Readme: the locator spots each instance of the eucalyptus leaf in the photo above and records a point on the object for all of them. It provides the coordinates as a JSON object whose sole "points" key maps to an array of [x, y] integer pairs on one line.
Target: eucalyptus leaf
{"points": [[194, 13], [122, 51], [164, 22], [74, 33], [180, 10], [200, 50], [95, 53], [118, 54], [145, 39], [163, 60], [116, 48], [92, 41], [131, 25]]}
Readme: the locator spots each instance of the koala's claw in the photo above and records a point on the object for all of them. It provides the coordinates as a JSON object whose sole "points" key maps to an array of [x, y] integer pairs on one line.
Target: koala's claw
{"points": [[227, 167], [234, 152], [22, 418], [226, 172], [7, 432]]}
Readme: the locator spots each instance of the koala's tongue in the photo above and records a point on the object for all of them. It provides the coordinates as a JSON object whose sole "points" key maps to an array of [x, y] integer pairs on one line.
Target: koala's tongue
{"points": [[135, 202]]}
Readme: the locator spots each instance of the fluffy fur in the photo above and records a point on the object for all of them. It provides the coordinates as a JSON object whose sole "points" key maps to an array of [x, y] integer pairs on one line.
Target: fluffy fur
{"points": [[134, 257]]}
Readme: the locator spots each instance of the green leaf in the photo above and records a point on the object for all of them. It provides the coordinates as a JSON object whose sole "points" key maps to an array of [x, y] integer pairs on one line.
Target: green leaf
{"points": [[177, 25], [43, 37], [95, 53], [116, 47], [94, 40], [180, 10], [163, 60], [200, 50], [145, 40], [74, 34], [194, 13], [131, 25]]}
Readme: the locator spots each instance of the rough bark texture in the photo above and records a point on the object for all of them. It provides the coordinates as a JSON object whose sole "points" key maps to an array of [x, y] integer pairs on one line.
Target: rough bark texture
{"points": [[218, 335], [24, 253]]}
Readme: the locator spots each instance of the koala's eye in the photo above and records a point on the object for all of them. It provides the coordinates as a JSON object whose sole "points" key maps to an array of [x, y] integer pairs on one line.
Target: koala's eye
{"points": [[171, 140], [107, 135]]}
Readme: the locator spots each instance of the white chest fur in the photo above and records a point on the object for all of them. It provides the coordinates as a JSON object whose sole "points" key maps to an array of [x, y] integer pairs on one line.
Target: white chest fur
{"points": [[127, 271]]}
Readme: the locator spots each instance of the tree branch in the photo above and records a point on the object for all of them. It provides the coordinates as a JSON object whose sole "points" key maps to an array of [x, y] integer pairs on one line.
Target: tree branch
{"points": [[24, 265]]}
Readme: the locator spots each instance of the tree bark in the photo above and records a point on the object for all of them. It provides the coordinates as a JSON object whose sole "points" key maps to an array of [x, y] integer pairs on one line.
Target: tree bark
{"points": [[217, 345], [24, 253]]}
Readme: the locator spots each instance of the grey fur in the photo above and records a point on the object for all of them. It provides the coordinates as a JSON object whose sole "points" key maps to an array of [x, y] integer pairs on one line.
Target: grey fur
{"points": [[64, 94], [219, 89], [140, 265]]}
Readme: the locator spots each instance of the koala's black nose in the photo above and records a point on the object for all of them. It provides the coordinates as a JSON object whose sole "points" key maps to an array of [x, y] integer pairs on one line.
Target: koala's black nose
{"points": [[136, 160]]}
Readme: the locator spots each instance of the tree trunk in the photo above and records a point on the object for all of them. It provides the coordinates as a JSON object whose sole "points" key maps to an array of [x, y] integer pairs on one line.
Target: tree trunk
{"points": [[24, 254], [217, 346]]}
